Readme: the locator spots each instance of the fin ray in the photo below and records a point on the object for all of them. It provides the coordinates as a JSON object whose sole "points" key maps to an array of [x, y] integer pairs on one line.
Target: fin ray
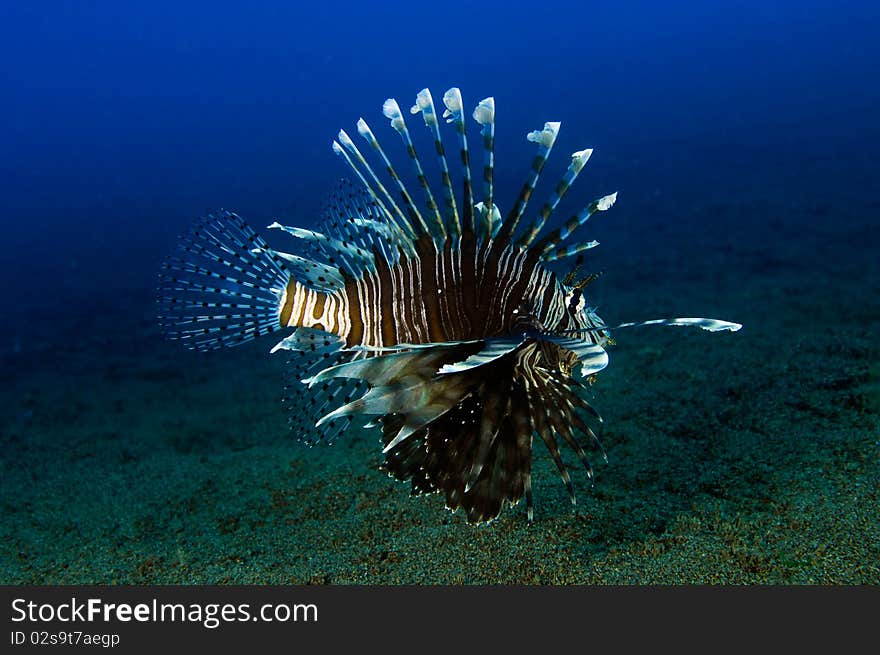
{"points": [[224, 267]]}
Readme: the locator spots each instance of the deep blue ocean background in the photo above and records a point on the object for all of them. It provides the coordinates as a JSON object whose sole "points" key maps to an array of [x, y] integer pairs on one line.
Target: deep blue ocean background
{"points": [[123, 121], [743, 138]]}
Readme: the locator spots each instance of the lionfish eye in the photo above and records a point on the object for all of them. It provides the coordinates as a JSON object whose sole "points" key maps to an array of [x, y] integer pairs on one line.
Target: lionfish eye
{"points": [[575, 299]]}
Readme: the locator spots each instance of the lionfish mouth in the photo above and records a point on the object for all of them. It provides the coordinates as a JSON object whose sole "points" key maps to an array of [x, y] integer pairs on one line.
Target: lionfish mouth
{"points": [[447, 323]]}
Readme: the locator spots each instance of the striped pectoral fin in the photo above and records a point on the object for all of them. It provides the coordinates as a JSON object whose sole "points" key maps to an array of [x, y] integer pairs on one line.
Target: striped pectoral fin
{"points": [[385, 369], [402, 383], [492, 350], [542, 423], [579, 424], [563, 403], [305, 406], [310, 340], [710, 324], [490, 424], [415, 421], [593, 357], [419, 404], [488, 450]]}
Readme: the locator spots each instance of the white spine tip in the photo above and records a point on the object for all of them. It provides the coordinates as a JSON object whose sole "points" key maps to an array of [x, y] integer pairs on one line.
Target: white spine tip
{"points": [[337, 148], [452, 100], [545, 137], [391, 109], [364, 129], [580, 158], [275, 224], [423, 101], [344, 139], [606, 202], [485, 111]]}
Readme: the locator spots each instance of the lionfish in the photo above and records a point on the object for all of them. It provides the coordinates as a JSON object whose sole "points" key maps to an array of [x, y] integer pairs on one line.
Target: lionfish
{"points": [[444, 324]]}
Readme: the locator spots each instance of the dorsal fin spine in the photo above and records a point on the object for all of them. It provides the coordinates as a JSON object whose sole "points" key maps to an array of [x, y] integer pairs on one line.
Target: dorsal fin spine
{"points": [[453, 102], [484, 114], [545, 138], [415, 216], [425, 105], [565, 251], [402, 220], [392, 111], [578, 161], [561, 234], [402, 228]]}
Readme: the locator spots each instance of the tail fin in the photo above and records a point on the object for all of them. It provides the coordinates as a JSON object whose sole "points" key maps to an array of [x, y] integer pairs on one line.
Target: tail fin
{"points": [[223, 285]]}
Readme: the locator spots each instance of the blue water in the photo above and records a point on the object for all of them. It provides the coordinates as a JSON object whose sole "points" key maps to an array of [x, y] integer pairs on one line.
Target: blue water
{"points": [[123, 121], [746, 133]]}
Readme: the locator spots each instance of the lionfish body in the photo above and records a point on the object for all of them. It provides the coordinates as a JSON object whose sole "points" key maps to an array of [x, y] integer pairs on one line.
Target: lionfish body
{"points": [[445, 324]]}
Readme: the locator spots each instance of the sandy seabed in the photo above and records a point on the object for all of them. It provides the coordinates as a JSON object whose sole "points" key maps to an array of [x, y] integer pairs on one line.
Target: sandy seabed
{"points": [[751, 457]]}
